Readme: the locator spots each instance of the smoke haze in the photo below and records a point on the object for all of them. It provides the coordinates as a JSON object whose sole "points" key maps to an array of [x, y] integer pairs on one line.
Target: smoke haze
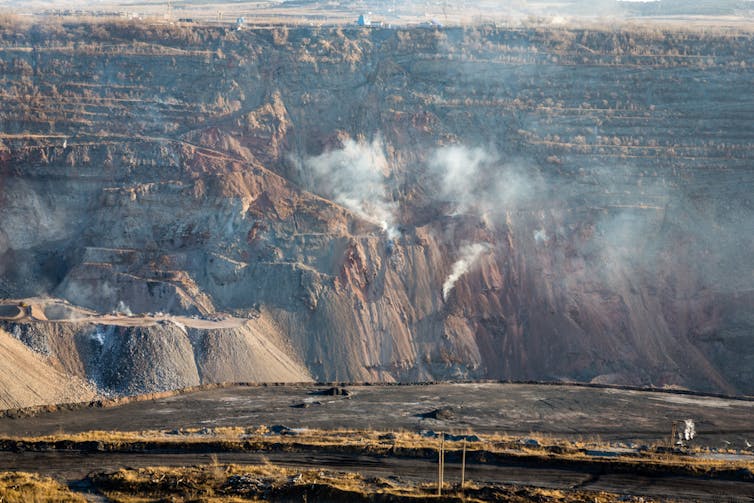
{"points": [[477, 181], [355, 176]]}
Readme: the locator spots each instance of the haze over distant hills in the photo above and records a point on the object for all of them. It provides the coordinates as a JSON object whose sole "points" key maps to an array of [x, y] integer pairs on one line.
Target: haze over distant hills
{"points": [[410, 11]]}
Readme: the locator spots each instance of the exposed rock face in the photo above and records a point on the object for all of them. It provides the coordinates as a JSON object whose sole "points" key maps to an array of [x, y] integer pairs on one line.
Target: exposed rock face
{"points": [[330, 182]]}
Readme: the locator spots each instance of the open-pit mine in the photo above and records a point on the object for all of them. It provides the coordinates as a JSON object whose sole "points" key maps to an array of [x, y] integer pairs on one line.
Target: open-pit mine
{"points": [[189, 201], [376, 204]]}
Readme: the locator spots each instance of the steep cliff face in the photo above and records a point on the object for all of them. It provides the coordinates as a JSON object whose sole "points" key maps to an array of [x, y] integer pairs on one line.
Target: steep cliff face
{"points": [[387, 204]]}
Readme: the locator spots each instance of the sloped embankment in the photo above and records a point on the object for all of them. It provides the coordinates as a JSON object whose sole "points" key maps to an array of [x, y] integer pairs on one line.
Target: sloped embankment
{"points": [[28, 379], [145, 356]]}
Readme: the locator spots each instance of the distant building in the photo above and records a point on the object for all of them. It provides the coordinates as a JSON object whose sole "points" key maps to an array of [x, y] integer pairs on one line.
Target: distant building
{"points": [[364, 20], [240, 22]]}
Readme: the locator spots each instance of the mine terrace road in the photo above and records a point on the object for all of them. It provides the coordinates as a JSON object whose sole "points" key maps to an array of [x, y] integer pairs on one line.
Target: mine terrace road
{"points": [[73, 466]]}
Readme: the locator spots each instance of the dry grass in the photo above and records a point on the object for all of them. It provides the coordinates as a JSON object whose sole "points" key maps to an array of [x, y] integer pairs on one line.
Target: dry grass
{"points": [[264, 482], [21, 487], [216, 482], [551, 450]]}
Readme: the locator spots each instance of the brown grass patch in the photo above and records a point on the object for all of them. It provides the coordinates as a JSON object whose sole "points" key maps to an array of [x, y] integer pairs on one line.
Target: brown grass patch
{"points": [[268, 482], [488, 449], [21, 487]]}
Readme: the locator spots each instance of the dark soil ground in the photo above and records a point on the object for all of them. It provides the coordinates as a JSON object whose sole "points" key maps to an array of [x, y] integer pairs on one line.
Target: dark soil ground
{"points": [[573, 412], [621, 417]]}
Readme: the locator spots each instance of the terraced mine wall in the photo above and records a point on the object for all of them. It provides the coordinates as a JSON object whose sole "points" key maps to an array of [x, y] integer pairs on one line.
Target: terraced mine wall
{"points": [[390, 204]]}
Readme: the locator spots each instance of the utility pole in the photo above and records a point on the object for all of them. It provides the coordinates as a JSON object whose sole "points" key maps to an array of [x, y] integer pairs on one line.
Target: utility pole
{"points": [[169, 13], [442, 471], [441, 465], [673, 433], [463, 465]]}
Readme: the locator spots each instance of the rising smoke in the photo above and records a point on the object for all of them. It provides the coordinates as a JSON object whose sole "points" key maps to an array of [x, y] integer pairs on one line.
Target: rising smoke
{"points": [[470, 180], [122, 308], [356, 176], [459, 169], [469, 258], [612, 243], [477, 181], [473, 180]]}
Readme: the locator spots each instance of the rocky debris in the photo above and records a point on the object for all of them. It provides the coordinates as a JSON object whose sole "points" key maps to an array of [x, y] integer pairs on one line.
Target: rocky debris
{"points": [[249, 485], [145, 359], [334, 391], [144, 355], [256, 351], [446, 413], [306, 405], [449, 436], [279, 429]]}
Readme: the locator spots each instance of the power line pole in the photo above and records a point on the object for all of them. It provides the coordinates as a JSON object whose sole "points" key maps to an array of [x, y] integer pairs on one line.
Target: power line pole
{"points": [[673, 432], [463, 466], [441, 465]]}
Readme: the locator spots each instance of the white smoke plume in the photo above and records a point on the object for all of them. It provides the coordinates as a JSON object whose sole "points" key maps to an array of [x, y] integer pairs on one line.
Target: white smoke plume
{"points": [[469, 258], [689, 429], [99, 335], [460, 168], [122, 308], [540, 236], [475, 180], [355, 176]]}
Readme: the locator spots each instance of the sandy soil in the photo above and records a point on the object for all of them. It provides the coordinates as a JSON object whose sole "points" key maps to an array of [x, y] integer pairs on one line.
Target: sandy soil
{"points": [[26, 379]]}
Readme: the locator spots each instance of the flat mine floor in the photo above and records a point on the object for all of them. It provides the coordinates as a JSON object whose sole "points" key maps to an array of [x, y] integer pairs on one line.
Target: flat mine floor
{"points": [[574, 412]]}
